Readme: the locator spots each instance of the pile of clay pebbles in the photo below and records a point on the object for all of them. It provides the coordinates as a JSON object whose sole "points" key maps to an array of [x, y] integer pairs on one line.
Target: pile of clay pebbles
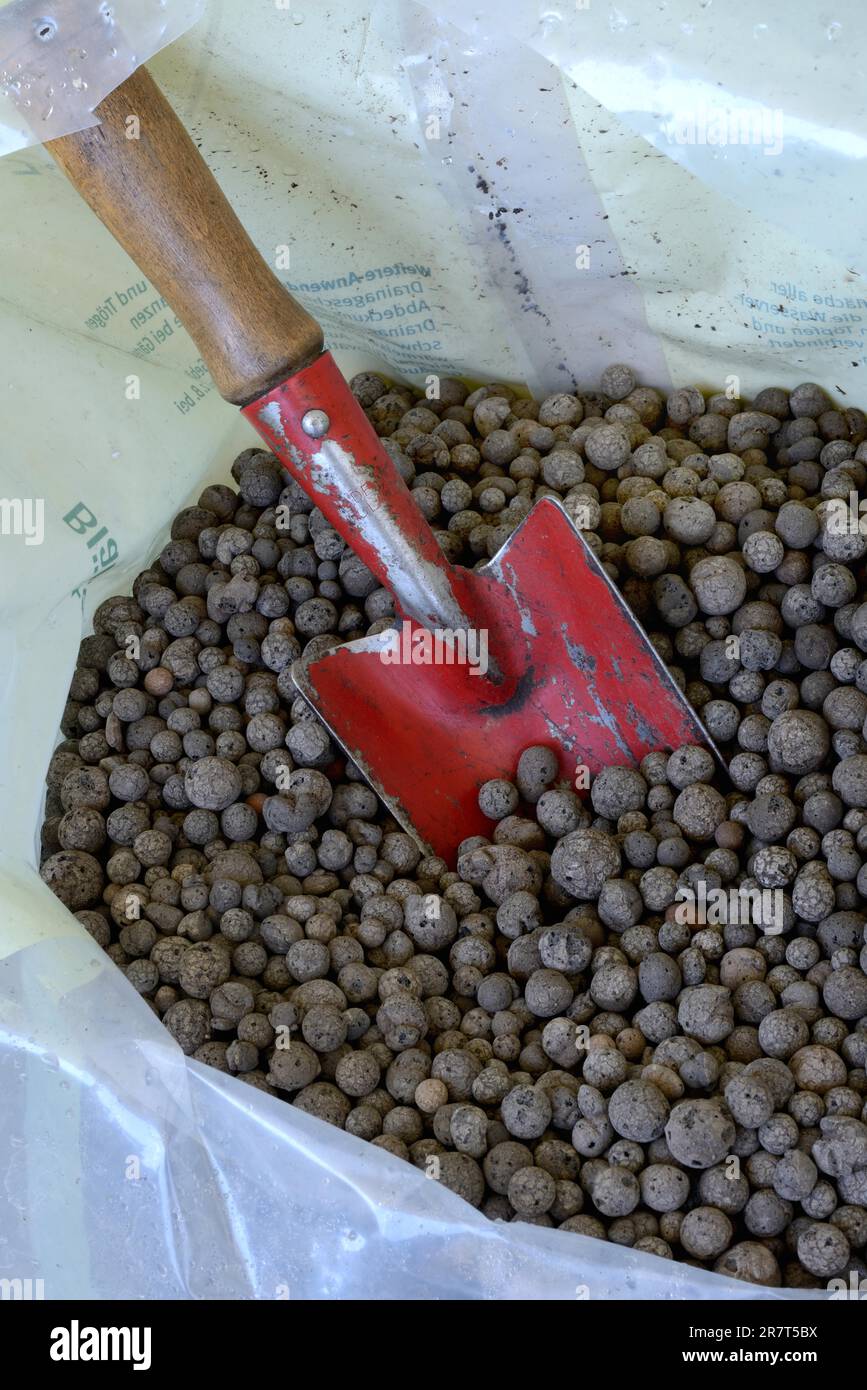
{"points": [[586, 1025]]}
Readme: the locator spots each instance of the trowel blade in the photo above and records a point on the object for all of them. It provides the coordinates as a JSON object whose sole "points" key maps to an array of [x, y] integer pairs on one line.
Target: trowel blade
{"points": [[568, 667]]}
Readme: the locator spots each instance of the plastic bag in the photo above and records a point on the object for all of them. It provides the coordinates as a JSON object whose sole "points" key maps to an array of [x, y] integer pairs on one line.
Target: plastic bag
{"points": [[58, 61], [436, 187], [134, 1172]]}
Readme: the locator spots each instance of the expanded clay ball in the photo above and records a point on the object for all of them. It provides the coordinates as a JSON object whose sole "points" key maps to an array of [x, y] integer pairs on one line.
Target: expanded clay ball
{"points": [[212, 783], [699, 1133], [74, 876], [608, 447], [617, 381], [430, 921], [749, 1100], [798, 742], [688, 765], [616, 791], [699, 810], [663, 1187], [532, 1191], [638, 1110], [498, 799], [293, 1067], [537, 769], [615, 1192], [845, 993], [526, 1112], [705, 1232], [823, 1249], [547, 993], [357, 1074], [585, 999], [752, 1263], [719, 584], [461, 1174], [582, 861]]}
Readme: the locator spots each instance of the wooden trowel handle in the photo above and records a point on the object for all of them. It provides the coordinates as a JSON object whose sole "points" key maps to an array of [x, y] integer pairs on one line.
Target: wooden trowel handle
{"points": [[147, 182]]}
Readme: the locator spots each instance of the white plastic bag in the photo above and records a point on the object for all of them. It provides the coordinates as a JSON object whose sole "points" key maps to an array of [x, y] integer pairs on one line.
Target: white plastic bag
{"points": [[134, 1172], [489, 191], [58, 60]]}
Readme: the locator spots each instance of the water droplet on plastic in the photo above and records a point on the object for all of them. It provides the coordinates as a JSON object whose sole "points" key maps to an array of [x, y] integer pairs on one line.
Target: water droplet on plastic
{"points": [[115, 453], [79, 84], [759, 31], [833, 31], [447, 159], [617, 21]]}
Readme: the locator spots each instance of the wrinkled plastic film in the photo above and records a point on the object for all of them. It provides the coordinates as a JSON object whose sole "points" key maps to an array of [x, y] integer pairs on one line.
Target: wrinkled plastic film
{"points": [[727, 144], [134, 1172], [528, 205], [723, 90], [60, 58]]}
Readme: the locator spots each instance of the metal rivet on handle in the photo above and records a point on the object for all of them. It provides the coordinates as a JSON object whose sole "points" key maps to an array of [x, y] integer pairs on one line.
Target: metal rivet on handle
{"points": [[315, 423]]}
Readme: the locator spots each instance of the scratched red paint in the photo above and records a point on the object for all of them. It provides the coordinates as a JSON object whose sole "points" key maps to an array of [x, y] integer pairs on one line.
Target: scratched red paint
{"points": [[578, 673]]}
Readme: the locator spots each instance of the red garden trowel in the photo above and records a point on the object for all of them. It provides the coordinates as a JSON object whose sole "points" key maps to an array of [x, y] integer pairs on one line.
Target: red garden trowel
{"points": [[537, 647]]}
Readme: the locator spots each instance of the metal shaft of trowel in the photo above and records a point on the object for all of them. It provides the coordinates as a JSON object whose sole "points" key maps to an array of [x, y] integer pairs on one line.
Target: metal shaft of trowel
{"points": [[325, 441]]}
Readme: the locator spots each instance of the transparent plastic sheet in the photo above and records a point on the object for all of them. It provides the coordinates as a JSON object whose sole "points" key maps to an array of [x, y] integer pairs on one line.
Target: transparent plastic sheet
{"points": [[724, 146], [58, 59], [317, 121], [526, 204], [133, 1172], [763, 104]]}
